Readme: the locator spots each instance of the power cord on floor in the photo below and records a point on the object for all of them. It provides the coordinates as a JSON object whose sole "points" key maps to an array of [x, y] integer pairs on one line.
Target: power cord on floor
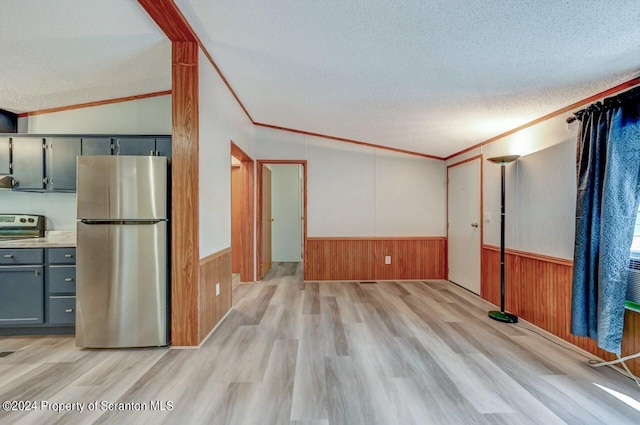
{"points": [[591, 362], [596, 363]]}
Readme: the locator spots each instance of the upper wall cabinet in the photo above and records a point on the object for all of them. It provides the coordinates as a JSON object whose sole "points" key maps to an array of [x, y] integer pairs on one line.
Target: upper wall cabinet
{"points": [[62, 153], [134, 146], [96, 146], [160, 146], [5, 157], [48, 163], [28, 163], [163, 146]]}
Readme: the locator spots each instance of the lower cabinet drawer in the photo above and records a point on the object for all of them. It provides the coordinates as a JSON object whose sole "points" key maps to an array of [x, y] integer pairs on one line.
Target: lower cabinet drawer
{"points": [[62, 310], [62, 279]]}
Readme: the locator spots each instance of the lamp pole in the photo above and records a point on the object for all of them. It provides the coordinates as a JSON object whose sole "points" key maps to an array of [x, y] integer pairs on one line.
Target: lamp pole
{"points": [[502, 315]]}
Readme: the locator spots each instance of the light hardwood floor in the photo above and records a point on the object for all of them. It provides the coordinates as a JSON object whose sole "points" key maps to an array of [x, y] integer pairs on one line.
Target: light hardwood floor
{"points": [[325, 353]]}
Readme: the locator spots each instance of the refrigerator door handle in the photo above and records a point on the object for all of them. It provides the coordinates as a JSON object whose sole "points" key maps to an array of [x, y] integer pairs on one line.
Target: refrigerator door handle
{"points": [[121, 222]]}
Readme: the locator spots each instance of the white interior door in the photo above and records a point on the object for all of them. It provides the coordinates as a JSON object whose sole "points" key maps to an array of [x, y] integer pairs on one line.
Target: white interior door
{"points": [[464, 224]]}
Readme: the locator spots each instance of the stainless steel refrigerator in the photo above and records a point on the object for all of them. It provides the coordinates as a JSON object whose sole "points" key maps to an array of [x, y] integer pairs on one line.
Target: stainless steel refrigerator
{"points": [[122, 251]]}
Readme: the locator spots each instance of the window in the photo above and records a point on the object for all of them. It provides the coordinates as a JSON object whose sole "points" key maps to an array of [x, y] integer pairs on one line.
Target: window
{"points": [[635, 245]]}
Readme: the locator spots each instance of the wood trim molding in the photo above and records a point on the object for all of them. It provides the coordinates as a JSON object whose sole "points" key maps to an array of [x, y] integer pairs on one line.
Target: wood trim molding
{"points": [[377, 238], [247, 214], [211, 257], [342, 139], [473, 158], [168, 17], [95, 103], [531, 255], [185, 282], [590, 99], [259, 164]]}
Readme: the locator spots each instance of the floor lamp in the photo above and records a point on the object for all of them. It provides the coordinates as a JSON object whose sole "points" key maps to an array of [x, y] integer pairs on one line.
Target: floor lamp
{"points": [[502, 316]]}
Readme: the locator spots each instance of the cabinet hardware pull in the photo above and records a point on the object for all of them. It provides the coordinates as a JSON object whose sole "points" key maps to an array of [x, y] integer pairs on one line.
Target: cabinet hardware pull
{"points": [[68, 255], [69, 279], [69, 310], [37, 272], [8, 255]]}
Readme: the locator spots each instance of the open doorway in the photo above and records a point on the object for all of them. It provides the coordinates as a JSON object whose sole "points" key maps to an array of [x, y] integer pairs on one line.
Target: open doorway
{"points": [[242, 215], [282, 205]]}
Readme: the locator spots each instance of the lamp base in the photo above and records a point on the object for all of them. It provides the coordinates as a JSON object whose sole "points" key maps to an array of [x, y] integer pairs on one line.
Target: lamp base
{"points": [[502, 316]]}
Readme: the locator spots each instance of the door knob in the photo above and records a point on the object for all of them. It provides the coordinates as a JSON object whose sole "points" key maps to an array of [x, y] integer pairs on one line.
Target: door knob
{"points": [[474, 225]]}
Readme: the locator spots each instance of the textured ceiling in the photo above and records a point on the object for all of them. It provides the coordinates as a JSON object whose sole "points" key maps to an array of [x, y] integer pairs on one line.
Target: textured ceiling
{"points": [[427, 76], [64, 52]]}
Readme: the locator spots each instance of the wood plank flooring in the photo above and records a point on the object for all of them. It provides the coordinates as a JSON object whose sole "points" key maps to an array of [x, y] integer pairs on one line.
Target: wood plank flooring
{"points": [[327, 353]]}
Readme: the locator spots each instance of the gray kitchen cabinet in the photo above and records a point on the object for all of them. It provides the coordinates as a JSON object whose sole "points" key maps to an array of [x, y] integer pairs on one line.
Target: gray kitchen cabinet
{"points": [[27, 154], [61, 256], [5, 157], [61, 281], [62, 310], [163, 146], [134, 146], [21, 287], [96, 146], [21, 299], [62, 153], [17, 256]]}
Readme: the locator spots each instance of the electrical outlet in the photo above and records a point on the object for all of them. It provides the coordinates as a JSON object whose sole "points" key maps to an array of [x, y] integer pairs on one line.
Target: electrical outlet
{"points": [[217, 289], [387, 259]]}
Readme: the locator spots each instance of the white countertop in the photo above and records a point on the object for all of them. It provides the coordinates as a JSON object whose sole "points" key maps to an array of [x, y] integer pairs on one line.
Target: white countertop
{"points": [[52, 239]]}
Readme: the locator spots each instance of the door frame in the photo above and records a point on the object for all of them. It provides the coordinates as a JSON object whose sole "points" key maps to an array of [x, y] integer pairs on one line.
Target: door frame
{"points": [[247, 213], [481, 219], [259, 164]]}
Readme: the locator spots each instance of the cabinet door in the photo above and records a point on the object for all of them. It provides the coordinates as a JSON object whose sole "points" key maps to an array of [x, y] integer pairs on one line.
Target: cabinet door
{"points": [[61, 167], [4, 155], [28, 163], [163, 146], [135, 146], [21, 295], [96, 146]]}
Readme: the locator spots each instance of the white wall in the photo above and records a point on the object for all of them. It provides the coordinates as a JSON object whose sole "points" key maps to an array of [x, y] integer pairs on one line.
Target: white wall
{"points": [[59, 208], [286, 191], [540, 188], [355, 190], [221, 120], [143, 116]]}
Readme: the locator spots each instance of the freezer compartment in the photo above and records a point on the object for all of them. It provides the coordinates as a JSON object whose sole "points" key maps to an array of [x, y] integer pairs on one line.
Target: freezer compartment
{"points": [[122, 285], [122, 187]]}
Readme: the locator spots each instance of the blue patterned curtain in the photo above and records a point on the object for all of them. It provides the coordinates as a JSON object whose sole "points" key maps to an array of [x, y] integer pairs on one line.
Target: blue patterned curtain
{"points": [[608, 178]]}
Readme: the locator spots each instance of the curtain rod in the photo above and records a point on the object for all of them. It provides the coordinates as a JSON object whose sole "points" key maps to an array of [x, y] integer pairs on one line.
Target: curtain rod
{"points": [[633, 89]]}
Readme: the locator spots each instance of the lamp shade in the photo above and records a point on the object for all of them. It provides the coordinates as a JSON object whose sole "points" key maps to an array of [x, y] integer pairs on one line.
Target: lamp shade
{"points": [[503, 159]]}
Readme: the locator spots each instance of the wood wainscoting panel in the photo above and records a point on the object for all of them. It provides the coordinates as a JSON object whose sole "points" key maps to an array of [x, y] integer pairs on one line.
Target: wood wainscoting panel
{"points": [[364, 258], [215, 268], [538, 290]]}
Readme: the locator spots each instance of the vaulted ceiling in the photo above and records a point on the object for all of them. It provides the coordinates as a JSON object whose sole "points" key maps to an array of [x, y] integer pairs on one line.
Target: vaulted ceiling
{"points": [[427, 76]]}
